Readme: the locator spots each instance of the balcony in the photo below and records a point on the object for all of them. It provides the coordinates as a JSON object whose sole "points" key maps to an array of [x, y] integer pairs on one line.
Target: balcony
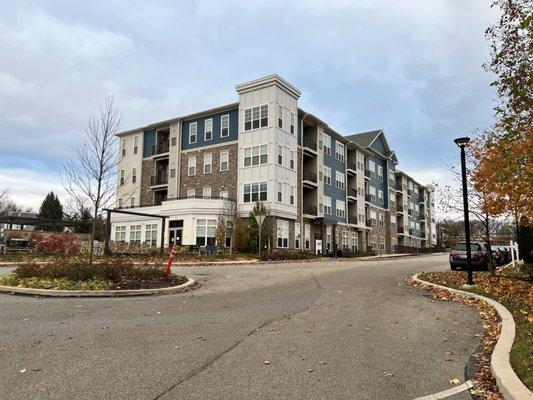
{"points": [[368, 223], [409, 192], [159, 179], [309, 179], [399, 208], [368, 174], [351, 168], [309, 146], [160, 148], [411, 232], [368, 197], [352, 195], [310, 210], [352, 219], [410, 211], [401, 229], [423, 235]]}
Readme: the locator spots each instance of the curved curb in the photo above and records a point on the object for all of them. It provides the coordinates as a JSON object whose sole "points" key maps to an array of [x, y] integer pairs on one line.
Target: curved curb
{"points": [[95, 293], [511, 387]]}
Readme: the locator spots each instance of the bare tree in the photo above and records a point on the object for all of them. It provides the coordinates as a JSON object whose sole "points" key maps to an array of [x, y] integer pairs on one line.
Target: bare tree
{"points": [[8, 206], [229, 215], [91, 175]]}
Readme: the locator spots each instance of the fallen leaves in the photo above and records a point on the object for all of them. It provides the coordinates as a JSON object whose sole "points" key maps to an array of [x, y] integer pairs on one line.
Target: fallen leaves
{"points": [[455, 381]]}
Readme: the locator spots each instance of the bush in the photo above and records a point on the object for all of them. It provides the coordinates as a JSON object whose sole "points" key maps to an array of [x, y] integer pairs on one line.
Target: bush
{"points": [[57, 243], [287, 255], [358, 253]]}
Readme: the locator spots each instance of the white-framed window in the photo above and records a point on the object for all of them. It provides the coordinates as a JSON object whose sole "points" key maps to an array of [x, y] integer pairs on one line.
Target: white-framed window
{"points": [[362, 218], [328, 238], [191, 170], [381, 243], [339, 151], [124, 143], [208, 163], [150, 234], [327, 144], [381, 220], [307, 236], [224, 160], [256, 117], [173, 141], [135, 234], [293, 122], [205, 232], [297, 235], [224, 125], [380, 173], [374, 242], [340, 209], [392, 175], [134, 175], [280, 117], [280, 154], [132, 202], [283, 233], [353, 241], [193, 132], [372, 168], [173, 172], [120, 233], [372, 192], [122, 177], [119, 203], [393, 220], [411, 185], [416, 188], [255, 155], [224, 194], [208, 129], [345, 240], [373, 218], [206, 193], [191, 193], [291, 195], [280, 192], [135, 144], [327, 205], [255, 192], [339, 180], [392, 197], [327, 175], [417, 207], [380, 197], [292, 160]]}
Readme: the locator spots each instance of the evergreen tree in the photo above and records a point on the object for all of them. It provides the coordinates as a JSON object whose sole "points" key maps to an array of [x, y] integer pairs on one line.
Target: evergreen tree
{"points": [[51, 208]]}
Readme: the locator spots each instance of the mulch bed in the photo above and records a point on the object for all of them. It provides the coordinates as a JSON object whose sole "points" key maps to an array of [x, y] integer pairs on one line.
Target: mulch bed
{"points": [[172, 280]]}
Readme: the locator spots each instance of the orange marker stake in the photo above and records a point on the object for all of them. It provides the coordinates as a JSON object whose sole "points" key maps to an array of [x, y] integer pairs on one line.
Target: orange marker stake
{"points": [[166, 271]]}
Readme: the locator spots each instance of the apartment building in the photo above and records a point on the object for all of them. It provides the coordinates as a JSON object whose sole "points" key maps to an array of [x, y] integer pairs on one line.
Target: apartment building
{"points": [[325, 191]]}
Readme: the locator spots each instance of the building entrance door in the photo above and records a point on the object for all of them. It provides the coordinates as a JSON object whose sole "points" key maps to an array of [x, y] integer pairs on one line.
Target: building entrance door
{"points": [[175, 231]]}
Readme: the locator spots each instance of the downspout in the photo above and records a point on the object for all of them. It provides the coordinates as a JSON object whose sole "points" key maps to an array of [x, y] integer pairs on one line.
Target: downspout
{"points": [[302, 228]]}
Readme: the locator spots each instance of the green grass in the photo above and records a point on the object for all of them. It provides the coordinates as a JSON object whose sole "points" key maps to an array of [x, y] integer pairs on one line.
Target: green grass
{"points": [[56, 284]]}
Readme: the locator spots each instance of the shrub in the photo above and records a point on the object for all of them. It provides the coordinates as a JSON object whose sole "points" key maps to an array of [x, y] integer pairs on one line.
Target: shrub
{"points": [[57, 243], [287, 255]]}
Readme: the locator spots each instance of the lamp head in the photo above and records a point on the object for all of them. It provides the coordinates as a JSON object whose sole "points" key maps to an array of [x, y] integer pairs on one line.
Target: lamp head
{"points": [[462, 141]]}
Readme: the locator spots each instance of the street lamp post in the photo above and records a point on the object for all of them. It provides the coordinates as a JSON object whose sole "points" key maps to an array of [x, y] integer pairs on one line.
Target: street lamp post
{"points": [[462, 142]]}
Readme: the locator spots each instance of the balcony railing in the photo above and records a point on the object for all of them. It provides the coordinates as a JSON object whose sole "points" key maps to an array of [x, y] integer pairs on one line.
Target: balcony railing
{"points": [[368, 197], [352, 192], [368, 223], [400, 229], [411, 231], [351, 165], [310, 176], [352, 219], [310, 210], [399, 208], [368, 173], [410, 211], [310, 143], [159, 179], [160, 148], [423, 235]]}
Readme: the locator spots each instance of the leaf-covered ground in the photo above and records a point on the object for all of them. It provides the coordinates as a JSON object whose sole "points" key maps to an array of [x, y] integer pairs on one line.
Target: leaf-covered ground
{"points": [[512, 287]]}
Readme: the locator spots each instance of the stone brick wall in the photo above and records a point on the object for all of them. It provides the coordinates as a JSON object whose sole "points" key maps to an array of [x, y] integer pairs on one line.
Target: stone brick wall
{"points": [[148, 170], [217, 180], [377, 230]]}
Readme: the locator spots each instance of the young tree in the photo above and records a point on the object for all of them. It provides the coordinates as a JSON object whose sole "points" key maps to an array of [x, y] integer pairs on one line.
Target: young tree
{"points": [[91, 176], [51, 208], [252, 238], [229, 214], [221, 232]]}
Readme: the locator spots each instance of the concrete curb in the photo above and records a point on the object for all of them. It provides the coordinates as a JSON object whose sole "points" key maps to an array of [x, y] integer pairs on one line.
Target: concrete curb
{"points": [[511, 387], [95, 293]]}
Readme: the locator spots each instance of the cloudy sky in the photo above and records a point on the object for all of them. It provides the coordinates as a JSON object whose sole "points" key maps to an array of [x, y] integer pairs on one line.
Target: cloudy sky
{"points": [[410, 67]]}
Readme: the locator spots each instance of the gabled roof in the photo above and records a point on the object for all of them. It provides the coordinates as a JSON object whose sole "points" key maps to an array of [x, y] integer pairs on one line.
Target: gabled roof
{"points": [[365, 139]]}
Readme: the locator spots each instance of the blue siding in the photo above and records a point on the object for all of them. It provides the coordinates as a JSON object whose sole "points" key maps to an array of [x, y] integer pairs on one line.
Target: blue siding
{"points": [[332, 190], [375, 182], [379, 146], [148, 142], [217, 139]]}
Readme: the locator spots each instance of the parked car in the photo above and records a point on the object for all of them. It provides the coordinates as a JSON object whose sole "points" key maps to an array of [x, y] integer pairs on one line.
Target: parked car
{"points": [[506, 254], [497, 255], [479, 256]]}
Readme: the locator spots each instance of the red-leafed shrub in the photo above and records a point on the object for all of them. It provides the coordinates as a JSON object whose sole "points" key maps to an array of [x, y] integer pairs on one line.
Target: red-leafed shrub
{"points": [[57, 243]]}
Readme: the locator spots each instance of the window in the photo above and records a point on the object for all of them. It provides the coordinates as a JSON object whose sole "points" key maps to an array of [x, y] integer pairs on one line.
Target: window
{"points": [[255, 117], [173, 141], [380, 197], [122, 173], [373, 218], [381, 243], [124, 142], [328, 238], [191, 170], [372, 168], [280, 154], [381, 220], [353, 241], [255, 155], [134, 175], [416, 189], [224, 160], [293, 122], [224, 194], [280, 192], [135, 144], [208, 129], [392, 197], [119, 203], [205, 232], [283, 233], [291, 196], [307, 236], [339, 180], [339, 151], [340, 210], [120, 233], [280, 117], [327, 175], [392, 175], [297, 235], [327, 205], [380, 173], [191, 193], [292, 159], [374, 242], [255, 192], [393, 220], [132, 202], [206, 193], [150, 234], [372, 191], [193, 128], [327, 144], [173, 173], [135, 234], [224, 126], [345, 240], [208, 163]]}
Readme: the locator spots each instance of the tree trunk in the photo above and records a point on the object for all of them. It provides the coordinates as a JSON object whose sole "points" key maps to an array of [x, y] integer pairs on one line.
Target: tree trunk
{"points": [[492, 268]]}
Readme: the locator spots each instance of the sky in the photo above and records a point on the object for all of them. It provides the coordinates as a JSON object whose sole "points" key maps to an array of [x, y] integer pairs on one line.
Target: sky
{"points": [[412, 68]]}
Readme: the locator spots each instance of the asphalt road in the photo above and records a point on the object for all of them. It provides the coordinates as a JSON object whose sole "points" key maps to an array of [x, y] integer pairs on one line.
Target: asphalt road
{"points": [[336, 330]]}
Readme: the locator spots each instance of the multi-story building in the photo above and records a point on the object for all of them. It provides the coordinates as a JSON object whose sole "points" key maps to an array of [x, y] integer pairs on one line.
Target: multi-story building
{"points": [[315, 183]]}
